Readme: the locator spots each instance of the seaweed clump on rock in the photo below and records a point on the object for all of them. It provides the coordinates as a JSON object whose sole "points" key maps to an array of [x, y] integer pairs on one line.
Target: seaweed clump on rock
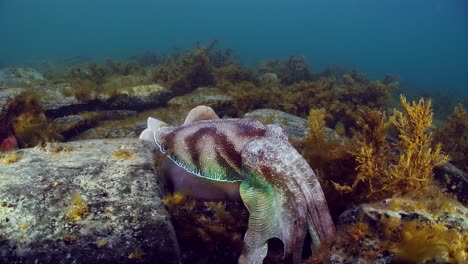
{"points": [[369, 167], [92, 79], [26, 120], [454, 137], [341, 97], [204, 66], [292, 70]]}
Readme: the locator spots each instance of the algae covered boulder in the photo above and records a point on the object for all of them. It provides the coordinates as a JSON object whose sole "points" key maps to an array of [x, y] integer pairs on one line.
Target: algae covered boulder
{"points": [[84, 202], [19, 76], [431, 229]]}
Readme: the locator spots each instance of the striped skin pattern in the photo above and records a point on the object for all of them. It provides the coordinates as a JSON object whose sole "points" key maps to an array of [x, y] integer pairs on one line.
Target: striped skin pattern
{"points": [[280, 190], [210, 149]]}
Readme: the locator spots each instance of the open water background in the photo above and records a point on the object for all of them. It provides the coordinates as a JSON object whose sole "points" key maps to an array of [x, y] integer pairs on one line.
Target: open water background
{"points": [[423, 41]]}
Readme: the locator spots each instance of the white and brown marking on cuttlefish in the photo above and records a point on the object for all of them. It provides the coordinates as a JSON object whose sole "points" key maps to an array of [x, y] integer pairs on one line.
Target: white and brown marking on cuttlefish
{"points": [[221, 159]]}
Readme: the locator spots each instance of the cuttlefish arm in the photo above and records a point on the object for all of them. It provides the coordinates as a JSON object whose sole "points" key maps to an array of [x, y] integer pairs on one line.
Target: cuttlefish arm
{"points": [[284, 198]]}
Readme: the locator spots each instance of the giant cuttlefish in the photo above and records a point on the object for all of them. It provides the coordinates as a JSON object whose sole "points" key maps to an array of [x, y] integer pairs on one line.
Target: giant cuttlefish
{"points": [[215, 159]]}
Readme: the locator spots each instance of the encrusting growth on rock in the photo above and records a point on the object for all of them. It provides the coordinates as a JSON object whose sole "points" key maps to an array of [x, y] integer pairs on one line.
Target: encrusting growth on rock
{"points": [[79, 208]]}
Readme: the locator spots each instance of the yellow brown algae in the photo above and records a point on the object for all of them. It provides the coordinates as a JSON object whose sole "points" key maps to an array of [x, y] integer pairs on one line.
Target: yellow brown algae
{"points": [[123, 154], [79, 209], [10, 158]]}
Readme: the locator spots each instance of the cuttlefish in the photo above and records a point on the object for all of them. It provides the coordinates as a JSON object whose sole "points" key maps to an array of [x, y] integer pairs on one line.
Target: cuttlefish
{"points": [[230, 159]]}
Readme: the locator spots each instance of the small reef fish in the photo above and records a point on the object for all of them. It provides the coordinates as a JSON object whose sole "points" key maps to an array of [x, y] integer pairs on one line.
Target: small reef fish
{"points": [[221, 159]]}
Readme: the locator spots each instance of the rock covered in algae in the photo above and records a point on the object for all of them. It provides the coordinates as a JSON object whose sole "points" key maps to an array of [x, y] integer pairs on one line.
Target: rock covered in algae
{"points": [[16, 76], [431, 229], [84, 202]]}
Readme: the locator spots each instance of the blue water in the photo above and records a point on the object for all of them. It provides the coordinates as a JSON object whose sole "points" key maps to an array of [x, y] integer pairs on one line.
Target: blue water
{"points": [[423, 41]]}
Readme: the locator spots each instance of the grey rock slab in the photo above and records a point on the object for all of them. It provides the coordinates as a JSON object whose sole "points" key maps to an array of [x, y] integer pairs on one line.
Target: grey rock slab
{"points": [[136, 98], [84, 202], [118, 131], [7, 95], [72, 125], [294, 126], [214, 97], [17, 76], [454, 180]]}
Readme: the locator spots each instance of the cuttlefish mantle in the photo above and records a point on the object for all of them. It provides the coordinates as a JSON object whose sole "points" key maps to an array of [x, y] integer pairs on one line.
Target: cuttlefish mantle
{"points": [[225, 159]]}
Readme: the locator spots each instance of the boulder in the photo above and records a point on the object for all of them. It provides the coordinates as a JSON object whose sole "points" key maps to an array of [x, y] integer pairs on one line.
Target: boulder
{"points": [[19, 76], [294, 126], [138, 97], [84, 202], [72, 125], [214, 97], [406, 230], [113, 129], [453, 180]]}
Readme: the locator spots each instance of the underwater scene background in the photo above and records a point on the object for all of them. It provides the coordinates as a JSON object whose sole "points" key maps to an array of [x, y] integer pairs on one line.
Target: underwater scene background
{"points": [[424, 42], [370, 95]]}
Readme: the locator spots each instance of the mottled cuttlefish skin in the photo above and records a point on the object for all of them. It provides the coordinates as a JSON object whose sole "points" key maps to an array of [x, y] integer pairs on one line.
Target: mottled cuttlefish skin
{"points": [[276, 184]]}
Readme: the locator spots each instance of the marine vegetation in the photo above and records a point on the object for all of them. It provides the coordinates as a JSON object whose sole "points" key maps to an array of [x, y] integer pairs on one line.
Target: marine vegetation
{"points": [[92, 79], [293, 70], [147, 59], [328, 154], [99, 73], [208, 231], [417, 228], [454, 137], [185, 73], [6, 159], [78, 209], [26, 120], [385, 173], [342, 98], [232, 159], [204, 66]]}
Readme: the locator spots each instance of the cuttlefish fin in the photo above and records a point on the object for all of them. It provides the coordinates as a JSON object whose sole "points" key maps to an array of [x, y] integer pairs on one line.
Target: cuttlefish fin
{"points": [[199, 113], [259, 198]]}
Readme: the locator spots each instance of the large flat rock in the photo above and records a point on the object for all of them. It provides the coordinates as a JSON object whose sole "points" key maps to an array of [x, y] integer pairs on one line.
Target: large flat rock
{"points": [[84, 202]]}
